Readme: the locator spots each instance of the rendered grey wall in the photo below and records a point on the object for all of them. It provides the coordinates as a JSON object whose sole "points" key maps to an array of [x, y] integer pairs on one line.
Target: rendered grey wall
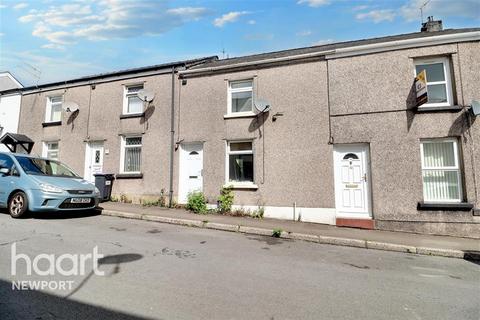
{"points": [[105, 124], [298, 160], [371, 108]]}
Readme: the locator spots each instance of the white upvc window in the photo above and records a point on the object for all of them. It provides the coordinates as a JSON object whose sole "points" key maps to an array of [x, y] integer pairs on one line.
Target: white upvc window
{"points": [[54, 109], [239, 163], [442, 178], [50, 150], [132, 104], [439, 81], [240, 97], [131, 154]]}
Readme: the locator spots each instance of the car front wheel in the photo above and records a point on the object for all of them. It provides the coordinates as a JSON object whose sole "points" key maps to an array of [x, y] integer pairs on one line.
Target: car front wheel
{"points": [[17, 205]]}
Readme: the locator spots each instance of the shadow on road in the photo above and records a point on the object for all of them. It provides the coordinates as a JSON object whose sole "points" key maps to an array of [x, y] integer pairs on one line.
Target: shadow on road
{"points": [[23, 304], [60, 214]]}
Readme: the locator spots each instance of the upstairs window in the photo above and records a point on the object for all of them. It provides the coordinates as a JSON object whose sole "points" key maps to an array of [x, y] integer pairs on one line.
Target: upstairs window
{"points": [[54, 109], [439, 81], [240, 97], [240, 162], [50, 150], [131, 155], [132, 103], [441, 171]]}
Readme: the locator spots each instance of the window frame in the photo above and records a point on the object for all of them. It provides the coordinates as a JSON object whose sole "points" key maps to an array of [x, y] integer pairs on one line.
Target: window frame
{"points": [[46, 149], [126, 95], [448, 80], [457, 168], [230, 91], [123, 146], [227, 164], [48, 109]]}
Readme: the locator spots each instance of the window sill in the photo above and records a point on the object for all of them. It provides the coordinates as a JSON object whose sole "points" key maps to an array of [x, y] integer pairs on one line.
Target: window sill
{"points": [[457, 206], [52, 124], [132, 115], [244, 115], [241, 186], [129, 176], [438, 109]]}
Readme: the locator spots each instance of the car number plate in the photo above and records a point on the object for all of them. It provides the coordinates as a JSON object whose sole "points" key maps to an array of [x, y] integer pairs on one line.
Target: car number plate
{"points": [[80, 200]]}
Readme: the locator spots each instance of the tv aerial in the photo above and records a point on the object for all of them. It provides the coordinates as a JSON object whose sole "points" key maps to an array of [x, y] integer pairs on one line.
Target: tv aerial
{"points": [[146, 95], [69, 106], [262, 105]]}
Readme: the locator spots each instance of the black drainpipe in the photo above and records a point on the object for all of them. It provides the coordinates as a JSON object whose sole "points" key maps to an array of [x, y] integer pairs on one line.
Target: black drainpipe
{"points": [[172, 139]]}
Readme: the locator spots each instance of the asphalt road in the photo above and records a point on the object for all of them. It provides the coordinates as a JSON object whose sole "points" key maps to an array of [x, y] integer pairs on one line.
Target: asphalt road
{"points": [[159, 271]]}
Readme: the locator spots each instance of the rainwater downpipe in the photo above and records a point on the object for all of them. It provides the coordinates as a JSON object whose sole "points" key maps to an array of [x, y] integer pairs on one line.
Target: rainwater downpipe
{"points": [[172, 140]]}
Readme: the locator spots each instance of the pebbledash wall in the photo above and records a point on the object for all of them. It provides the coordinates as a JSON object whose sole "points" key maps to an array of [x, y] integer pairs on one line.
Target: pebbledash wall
{"points": [[321, 98]]}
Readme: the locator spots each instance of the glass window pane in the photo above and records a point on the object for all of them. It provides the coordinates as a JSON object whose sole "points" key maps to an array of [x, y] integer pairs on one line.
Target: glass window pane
{"points": [[434, 71], [53, 145], [56, 113], [241, 84], [441, 185], [56, 99], [132, 159], [240, 146], [133, 141], [135, 105], [241, 168], [52, 154], [437, 93], [134, 89], [241, 101], [439, 154]]}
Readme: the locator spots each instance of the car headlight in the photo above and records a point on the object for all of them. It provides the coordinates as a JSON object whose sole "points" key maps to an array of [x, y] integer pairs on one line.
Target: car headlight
{"points": [[49, 188], [97, 192]]}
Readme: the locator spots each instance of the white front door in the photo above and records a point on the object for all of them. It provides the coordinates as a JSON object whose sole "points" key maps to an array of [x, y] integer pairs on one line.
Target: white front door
{"points": [[93, 160], [352, 181], [191, 170]]}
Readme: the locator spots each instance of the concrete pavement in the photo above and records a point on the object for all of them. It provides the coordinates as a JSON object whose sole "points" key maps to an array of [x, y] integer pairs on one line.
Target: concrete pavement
{"points": [[163, 271], [372, 239]]}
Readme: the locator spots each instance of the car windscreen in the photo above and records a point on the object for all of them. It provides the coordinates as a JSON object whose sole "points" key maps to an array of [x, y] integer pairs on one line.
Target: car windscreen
{"points": [[44, 167]]}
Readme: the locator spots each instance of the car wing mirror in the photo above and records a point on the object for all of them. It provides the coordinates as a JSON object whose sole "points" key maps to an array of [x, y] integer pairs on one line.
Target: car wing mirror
{"points": [[4, 171]]}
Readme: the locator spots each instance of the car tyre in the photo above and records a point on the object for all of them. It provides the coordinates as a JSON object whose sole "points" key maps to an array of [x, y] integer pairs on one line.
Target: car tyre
{"points": [[18, 204]]}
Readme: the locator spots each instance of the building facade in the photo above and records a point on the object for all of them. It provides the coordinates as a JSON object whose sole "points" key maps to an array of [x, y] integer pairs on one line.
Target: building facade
{"points": [[10, 99], [329, 134]]}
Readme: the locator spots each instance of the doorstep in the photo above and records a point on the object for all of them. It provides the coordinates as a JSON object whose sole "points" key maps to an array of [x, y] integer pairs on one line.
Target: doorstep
{"points": [[368, 224]]}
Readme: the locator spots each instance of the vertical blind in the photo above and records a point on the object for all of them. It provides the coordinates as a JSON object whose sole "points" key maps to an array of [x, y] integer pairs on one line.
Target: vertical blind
{"points": [[441, 172], [133, 151]]}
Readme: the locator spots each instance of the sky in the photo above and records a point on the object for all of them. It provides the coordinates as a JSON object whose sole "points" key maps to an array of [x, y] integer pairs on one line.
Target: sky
{"points": [[43, 41]]}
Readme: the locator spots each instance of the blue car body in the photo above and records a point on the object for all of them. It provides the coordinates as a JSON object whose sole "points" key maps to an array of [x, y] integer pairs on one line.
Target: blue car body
{"points": [[44, 192]]}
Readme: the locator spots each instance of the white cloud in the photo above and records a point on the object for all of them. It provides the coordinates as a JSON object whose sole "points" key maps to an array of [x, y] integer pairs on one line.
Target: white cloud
{"points": [[2, 34], [107, 19], [228, 18], [322, 42], [3, 6], [377, 15], [304, 33], [252, 22], [20, 5], [54, 46], [441, 9], [314, 3]]}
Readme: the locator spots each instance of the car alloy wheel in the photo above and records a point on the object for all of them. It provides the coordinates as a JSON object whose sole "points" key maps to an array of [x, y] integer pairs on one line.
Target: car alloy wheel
{"points": [[17, 205]]}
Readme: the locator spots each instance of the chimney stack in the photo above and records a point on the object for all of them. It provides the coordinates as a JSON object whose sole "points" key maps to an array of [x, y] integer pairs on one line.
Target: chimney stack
{"points": [[432, 25]]}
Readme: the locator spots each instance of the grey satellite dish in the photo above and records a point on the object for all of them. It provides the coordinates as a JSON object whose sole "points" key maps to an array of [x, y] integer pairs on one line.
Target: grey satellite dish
{"points": [[262, 105], [146, 95], [69, 106], [475, 108]]}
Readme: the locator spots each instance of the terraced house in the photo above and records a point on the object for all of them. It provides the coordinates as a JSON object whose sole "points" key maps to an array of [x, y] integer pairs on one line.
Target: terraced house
{"points": [[329, 134]]}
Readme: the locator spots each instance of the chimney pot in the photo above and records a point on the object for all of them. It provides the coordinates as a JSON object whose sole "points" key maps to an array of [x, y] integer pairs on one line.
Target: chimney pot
{"points": [[431, 25]]}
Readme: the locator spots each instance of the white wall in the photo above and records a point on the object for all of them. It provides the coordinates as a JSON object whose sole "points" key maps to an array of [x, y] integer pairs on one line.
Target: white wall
{"points": [[9, 115]]}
